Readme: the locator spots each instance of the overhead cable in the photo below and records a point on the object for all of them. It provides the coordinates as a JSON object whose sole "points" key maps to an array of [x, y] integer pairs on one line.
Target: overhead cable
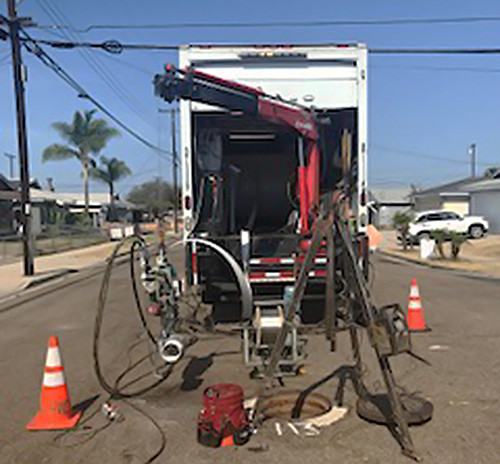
{"points": [[116, 47], [110, 80], [46, 59], [287, 24]]}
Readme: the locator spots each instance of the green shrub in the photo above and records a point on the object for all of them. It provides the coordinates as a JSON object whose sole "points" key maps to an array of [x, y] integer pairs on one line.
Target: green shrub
{"points": [[457, 240], [401, 222], [440, 236]]}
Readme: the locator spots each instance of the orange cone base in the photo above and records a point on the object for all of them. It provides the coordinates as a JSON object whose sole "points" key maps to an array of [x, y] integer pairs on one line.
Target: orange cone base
{"points": [[53, 421], [227, 441], [416, 321]]}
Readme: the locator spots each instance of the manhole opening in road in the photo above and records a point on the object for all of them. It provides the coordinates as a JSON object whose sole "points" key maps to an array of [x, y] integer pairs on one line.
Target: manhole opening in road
{"points": [[281, 405]]}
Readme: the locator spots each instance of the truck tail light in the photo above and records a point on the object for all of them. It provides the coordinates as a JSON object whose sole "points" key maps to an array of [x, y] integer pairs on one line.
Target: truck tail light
{"points": [[363, 197]]}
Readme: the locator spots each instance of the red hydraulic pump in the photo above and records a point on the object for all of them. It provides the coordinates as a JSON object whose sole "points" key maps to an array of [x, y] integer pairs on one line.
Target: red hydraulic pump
{"points": [[194, 85], [223, 416]]}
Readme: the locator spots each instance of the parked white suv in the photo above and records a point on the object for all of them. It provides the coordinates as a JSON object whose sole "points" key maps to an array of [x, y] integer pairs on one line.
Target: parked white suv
{"points": [[427, 221]]}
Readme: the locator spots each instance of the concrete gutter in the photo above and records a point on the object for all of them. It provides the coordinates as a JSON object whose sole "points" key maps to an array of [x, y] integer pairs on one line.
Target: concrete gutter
{"points": [[433, 265], [58, 279]]}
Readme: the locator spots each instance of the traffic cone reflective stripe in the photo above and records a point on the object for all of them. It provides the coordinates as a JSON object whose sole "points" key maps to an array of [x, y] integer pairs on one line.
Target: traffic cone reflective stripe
{"points": [[55, 406], [416, 315], [414, 293]]}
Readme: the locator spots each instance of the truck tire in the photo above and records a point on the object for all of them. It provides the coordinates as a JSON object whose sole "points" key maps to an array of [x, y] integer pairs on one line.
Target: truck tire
{"points": [[476, 231]]}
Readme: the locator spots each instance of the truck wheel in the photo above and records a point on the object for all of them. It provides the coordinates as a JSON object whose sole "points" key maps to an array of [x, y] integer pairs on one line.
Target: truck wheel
{"points": [[476, 231]]}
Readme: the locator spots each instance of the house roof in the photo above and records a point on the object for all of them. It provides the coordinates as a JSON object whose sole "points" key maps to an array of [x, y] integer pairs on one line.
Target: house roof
{"points": [[75, 199], [456, 186], [14, 184], [390, 195], [5, 184], [484, 185]]}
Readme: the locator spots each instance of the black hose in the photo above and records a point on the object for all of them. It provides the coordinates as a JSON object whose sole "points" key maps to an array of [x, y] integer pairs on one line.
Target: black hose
{"points": [[135, 290], [114, 390]]}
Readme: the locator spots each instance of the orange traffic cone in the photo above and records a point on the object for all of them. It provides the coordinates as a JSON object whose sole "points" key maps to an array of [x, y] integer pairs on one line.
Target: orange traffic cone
{"points": [[416, 315], [55, 407]]}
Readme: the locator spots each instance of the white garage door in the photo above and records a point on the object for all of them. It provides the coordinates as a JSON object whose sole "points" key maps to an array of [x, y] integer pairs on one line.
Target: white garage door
{"points": [[487, 204]]}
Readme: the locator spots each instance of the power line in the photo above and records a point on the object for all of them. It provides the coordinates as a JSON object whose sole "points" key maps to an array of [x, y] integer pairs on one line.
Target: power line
{"points": [[415, 154], [127, 64], [46, 59], [116, 47], [287, 24], [435, 51], [111, 46], [93, 61], [438, 68]]}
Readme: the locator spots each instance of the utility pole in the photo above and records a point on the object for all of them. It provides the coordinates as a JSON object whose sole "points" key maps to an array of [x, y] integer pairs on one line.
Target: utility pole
{"points": [[11, 164], [172, 112], [472, 153], [14, 24], [174, 169]]}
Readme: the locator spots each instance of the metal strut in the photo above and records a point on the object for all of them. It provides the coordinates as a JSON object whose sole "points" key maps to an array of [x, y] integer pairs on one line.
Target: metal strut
{"points": [[191, 84], [369, 319]]}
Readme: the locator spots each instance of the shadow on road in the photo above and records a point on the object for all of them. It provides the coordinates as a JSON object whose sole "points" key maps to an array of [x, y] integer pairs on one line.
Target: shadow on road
{"points": [[82, 406], [191, 376]]}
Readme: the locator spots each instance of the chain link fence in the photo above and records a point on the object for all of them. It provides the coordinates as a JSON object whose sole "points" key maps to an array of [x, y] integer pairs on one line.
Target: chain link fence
{"points": [[54, 239]]}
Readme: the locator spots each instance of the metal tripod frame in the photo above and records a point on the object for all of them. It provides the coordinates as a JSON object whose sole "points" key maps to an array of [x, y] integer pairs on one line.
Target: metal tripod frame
{"points": [[326, 225]]}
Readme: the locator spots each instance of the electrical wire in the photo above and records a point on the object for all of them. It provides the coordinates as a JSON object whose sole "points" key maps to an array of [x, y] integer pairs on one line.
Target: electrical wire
{"points": [[128, 65], [110, 80], [435, 51], [287, 24], [438, 69], [31, 45], [116, 47], [416, 154]]}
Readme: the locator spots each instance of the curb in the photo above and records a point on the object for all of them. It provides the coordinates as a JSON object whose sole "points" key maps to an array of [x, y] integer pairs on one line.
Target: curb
{"points": [[47, 278], [454, 270], [56, 282]]}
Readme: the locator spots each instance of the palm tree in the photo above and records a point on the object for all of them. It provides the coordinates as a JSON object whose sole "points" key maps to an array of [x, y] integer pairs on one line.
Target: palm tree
{"points": [[111, 171], [85, 136]]}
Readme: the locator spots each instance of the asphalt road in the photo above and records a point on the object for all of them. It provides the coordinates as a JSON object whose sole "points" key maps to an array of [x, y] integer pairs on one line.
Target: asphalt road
{"points": [[463, 381]]}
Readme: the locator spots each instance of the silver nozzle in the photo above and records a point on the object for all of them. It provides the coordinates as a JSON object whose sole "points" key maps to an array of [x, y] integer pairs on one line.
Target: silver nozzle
{"points": [[172, 349]]}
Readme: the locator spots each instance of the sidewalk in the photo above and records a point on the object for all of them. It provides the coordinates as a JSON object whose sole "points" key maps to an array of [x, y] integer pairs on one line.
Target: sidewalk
{"points": [[477, 256], [50, 267]]}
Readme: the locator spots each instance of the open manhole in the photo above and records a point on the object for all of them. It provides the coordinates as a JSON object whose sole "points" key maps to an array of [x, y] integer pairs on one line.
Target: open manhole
{"points": [[281, 405], [376, 408]]}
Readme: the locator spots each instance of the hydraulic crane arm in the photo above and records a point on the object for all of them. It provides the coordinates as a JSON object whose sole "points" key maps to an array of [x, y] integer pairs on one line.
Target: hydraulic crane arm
{"points": [[194, 85], [198, 86]]}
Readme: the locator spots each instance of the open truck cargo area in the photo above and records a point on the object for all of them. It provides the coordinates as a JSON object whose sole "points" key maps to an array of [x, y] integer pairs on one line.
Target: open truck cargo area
{"points": [[265, 132]]}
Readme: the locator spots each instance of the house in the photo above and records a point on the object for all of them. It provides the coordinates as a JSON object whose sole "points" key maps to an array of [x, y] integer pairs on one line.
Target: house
{"points": [[452, 196], [384, 203], [47, 201], [8, 194], [9, 197], [477, 196]]}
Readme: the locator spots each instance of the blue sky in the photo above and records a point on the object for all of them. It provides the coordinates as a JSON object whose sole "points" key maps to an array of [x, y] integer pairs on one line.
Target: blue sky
{"points": [[433, 106]]}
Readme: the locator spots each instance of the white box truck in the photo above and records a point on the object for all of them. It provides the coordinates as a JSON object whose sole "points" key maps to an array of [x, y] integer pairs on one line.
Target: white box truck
{"points": [[240, 173]]}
